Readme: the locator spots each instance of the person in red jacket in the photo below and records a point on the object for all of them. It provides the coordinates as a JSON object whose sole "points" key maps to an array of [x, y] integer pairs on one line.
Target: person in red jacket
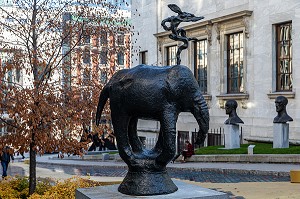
{"points": [[188, 151]]}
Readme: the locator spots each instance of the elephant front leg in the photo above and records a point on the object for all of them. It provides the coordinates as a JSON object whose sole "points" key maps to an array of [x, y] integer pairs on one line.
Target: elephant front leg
{"points": [[168, 134]]}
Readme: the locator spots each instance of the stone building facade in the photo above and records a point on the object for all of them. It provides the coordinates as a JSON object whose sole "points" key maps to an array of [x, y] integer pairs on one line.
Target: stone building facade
{"points": [[247, 50]]}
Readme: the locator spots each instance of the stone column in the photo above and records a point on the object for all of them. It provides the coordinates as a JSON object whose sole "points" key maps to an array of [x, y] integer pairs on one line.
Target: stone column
{"points": [[232, 136], [280, 135]]}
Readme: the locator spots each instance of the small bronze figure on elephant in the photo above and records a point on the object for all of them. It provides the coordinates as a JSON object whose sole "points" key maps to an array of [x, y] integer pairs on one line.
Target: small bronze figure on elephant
{"points": [[179, 34]]}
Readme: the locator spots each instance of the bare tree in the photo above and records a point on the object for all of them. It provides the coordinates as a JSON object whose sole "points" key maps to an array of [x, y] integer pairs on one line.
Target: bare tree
{"points": [[50, 71]]}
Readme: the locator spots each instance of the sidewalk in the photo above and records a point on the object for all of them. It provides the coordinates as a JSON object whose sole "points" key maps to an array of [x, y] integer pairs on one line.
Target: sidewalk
{"points": [[260, 167], [265, 190]]}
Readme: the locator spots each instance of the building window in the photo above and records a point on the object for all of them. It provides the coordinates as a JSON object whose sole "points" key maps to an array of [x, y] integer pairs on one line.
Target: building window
{"points": [[6, 127], [120, 39], [103, 57], [143, 57], [95, 41], [86, 76], [86, 39], [284, 57], [200, 64], [120, 60], [235, 60], [103, 77], [86, 56], [18, 74], [171, 55], [103, 38], [9, 77]]}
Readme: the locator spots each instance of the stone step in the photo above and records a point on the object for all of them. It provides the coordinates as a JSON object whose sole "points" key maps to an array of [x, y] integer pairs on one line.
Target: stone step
{"points": [[255, 158]]}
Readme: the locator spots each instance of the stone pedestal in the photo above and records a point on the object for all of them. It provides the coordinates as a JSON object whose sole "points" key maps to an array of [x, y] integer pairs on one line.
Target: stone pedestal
{"points": [[185, 191], [147, 183], [280, 135], [232, 136]]}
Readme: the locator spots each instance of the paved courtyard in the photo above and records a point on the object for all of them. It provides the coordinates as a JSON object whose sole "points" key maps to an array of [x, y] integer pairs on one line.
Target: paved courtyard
{"points": [[192, 174], [268, 181]]}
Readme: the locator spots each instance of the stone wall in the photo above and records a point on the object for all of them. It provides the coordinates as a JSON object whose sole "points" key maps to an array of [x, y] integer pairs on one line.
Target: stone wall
{"points": [[256, 20]]}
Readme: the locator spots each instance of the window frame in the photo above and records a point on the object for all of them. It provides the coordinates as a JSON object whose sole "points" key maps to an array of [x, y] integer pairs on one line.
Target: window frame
{"points": [[103, 38], [170, 61], [103, 56], [240, 78], [143, 57], [120, 58], [196, 54], [86, 56], [120, 39], [278, 85]]}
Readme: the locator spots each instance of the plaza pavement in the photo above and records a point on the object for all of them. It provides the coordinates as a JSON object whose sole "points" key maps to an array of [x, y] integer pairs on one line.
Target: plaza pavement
{"points": [[51, 167]]}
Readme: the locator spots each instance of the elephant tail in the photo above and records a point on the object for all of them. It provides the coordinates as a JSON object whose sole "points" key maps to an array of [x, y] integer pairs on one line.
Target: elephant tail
{"points": [[104, 95]]}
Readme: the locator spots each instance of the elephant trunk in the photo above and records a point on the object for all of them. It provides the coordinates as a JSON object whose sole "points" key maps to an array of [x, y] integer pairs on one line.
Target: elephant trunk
{"points": [[201, 114]]}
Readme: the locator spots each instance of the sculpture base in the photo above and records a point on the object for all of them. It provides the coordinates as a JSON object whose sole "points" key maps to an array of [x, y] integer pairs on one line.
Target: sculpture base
{"points": [[280, 135], [232, 136], [185, 191], [147, 183]]}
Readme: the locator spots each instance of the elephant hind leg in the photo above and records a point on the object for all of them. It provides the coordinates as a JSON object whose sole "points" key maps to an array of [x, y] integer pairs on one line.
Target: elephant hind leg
{"points": [[120, 123]]}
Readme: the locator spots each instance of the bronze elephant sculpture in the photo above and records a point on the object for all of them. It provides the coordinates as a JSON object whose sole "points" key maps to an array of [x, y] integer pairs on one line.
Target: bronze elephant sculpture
{"points": [[157, 93]]}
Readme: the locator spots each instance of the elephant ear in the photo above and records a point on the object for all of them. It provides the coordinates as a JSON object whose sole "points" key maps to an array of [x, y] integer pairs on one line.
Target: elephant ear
{"points": [[175, 8]]}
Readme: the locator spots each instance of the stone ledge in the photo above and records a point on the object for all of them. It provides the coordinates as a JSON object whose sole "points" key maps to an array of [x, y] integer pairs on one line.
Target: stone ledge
{"points": [[185, 190], [238, 96], [235, 171], [256, 158], [96, 157], [290, 95]]}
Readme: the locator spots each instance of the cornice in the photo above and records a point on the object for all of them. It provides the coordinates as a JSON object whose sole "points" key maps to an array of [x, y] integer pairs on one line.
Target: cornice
{"points": [[205, 24]]}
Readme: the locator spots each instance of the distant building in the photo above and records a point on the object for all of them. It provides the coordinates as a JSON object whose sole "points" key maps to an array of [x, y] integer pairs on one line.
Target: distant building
{"points": [[103, 48], [246, 50], [100, 50]]}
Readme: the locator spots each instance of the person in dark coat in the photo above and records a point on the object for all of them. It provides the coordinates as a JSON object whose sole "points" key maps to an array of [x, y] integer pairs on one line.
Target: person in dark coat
{"points": [[109, 143], [6, 156], [96, 142]]}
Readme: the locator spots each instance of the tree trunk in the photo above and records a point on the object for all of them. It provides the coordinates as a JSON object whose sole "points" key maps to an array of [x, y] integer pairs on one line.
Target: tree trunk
{"points": [[32, 152], [32, 167]]}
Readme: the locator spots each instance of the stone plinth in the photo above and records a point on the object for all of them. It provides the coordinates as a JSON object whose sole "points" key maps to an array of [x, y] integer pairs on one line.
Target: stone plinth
{"points": [[232, 136], [185, 191], [147, 183], [280, 135]]}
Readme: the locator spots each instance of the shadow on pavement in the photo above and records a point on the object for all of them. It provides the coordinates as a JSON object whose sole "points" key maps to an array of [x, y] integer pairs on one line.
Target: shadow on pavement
{"points": [[15, 170]]}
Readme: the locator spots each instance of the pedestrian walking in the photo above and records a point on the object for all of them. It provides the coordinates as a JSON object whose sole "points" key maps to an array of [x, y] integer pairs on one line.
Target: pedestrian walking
{"points": [[6, 156]]}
